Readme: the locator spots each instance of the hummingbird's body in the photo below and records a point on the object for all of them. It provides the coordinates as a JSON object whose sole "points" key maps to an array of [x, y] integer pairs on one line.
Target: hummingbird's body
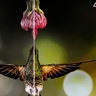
{"points": [[33, 87], [42, 72]]}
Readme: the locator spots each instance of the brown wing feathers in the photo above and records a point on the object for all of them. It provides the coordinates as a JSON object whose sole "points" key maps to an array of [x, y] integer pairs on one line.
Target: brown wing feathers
{"points": [[48, 71], [57, 70], [12, 71]]}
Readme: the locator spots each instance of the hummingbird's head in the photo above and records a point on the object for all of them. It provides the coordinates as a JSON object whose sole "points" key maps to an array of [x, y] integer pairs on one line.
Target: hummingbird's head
{"points": [[33, 54], [34, 49]]}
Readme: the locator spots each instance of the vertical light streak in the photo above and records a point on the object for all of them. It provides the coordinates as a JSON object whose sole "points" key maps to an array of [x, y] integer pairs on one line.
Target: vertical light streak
{"points": [[33, 34]]}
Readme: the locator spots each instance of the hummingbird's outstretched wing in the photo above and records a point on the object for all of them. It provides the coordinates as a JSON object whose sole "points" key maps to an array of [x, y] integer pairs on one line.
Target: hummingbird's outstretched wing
{"points": [[12, 71], [57, 70]]}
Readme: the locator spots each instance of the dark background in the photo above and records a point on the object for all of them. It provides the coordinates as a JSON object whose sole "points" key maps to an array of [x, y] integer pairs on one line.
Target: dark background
{"points": [[71, 20], [72, 23]]}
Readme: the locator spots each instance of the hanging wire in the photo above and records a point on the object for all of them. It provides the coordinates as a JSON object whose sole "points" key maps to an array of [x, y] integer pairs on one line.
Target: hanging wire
{"points": [[33, 35]]}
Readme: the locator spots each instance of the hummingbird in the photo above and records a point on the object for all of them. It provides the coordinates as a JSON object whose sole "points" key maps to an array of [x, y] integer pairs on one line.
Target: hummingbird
{"points": [[42, 72]]}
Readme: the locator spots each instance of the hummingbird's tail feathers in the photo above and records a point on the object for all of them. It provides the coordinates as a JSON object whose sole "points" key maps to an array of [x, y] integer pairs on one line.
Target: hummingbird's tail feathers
{"points": [[12, 71], [29, 95]]}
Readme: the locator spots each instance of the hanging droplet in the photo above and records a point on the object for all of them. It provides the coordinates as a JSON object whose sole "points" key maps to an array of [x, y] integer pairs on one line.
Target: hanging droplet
{"points": [[94, 5]]}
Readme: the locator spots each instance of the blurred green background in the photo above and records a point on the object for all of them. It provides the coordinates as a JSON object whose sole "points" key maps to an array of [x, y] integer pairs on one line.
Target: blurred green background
{"points": [[70, 36]]}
